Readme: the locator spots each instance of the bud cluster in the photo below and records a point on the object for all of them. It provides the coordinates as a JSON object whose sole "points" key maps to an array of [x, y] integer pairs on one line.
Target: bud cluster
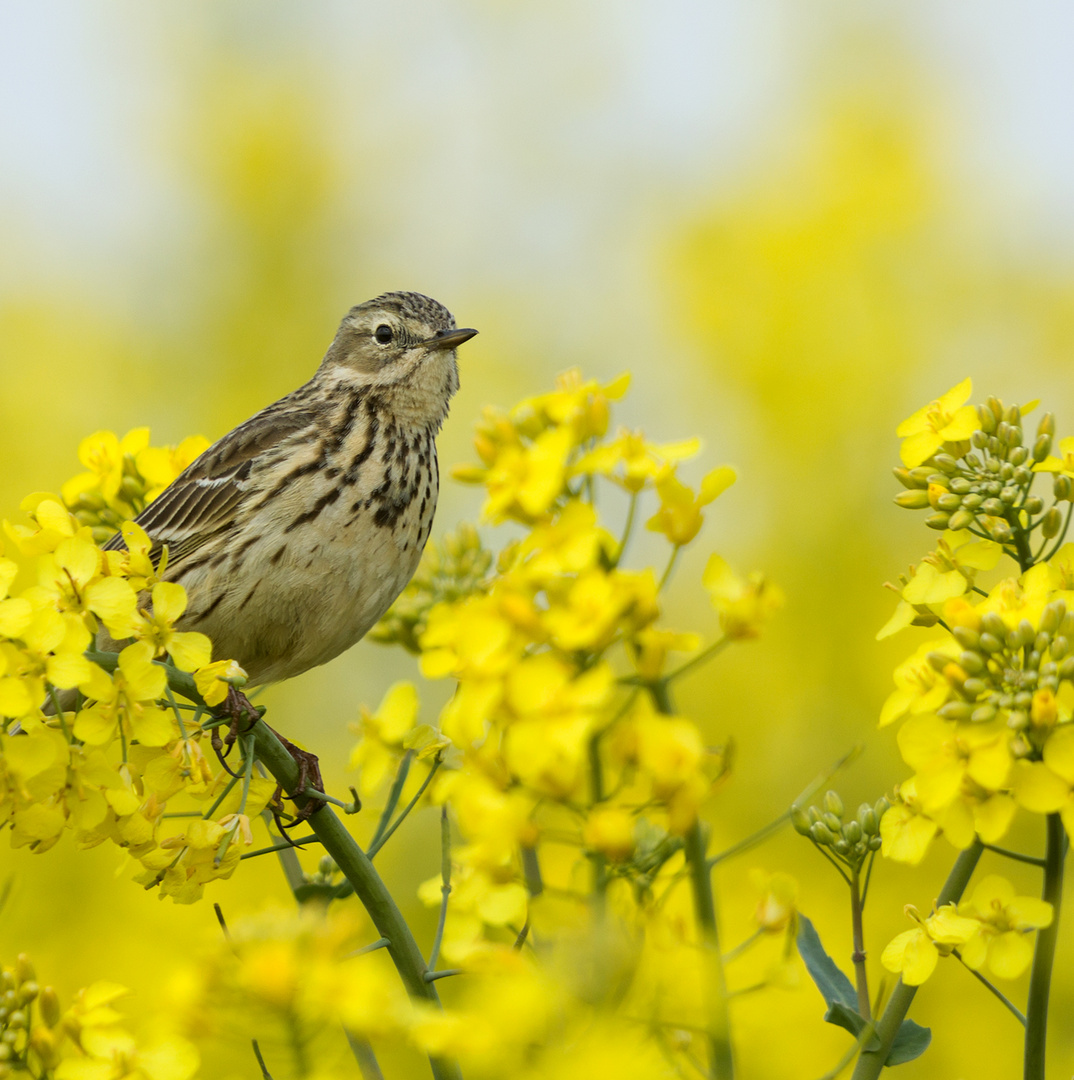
{"points": [[987, 480], [851, 841], [19, 991], [450, 570], [1014, 675]]}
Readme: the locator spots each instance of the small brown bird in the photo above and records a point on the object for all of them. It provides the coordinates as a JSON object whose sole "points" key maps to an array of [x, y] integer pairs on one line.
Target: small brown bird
{"points": [[294, 533]]}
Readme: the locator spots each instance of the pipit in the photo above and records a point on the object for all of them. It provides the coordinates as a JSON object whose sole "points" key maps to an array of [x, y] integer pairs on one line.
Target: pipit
{"points": [[294, 533]]}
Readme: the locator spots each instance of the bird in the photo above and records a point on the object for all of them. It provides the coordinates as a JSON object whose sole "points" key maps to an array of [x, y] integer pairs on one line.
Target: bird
{"points": [[295, 531]]}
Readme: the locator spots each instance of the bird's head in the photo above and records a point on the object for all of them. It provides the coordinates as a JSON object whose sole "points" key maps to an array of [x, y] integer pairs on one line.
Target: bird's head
{"points": [[404, 344]]}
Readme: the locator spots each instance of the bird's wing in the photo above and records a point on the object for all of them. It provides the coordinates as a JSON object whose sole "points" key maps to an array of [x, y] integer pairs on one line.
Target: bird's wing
{"points": [[203, 499]]}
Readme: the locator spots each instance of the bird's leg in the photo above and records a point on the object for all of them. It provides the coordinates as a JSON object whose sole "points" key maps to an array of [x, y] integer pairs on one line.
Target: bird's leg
{"points": [[242, 714], [309, 775]]}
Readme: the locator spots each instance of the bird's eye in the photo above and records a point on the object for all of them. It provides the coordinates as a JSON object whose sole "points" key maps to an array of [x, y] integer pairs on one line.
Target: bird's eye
{"points": [[383, 334]]}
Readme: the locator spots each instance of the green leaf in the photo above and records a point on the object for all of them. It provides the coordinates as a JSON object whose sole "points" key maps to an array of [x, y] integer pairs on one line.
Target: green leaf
{"points": [[835, 987], [911, 1042]]}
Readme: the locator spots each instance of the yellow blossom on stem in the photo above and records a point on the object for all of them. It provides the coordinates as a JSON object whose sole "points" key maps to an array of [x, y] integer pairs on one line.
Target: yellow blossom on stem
{"points": [[947, 419], [1003, 922], [679, 517]]}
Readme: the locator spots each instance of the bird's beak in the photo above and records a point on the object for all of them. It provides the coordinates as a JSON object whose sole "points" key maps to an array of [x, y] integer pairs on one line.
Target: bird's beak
{"points": [[449, 339]]}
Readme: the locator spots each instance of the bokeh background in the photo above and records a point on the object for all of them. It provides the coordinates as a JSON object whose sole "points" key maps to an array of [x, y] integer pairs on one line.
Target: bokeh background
{"points": [[794, 223]]}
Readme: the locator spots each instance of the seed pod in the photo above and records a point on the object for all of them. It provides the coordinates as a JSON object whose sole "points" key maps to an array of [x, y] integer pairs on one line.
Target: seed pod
{"points": [[833, 804], [1052, 523], [938, 521], [912, 500]]}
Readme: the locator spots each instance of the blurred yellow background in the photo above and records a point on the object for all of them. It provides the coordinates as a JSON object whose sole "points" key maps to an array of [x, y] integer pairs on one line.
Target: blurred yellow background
{"points": [[795, 224]]}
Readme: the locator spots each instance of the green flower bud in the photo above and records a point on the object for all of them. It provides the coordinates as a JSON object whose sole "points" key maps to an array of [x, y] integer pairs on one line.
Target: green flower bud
{"points": [[938, 521], [956, 710], [912, 500], [908, 480], [833, 804], [1061, 487], [1051, 523], [800, 820], [1042, 447], [49, 1004], [820, 833], [972, 662]]}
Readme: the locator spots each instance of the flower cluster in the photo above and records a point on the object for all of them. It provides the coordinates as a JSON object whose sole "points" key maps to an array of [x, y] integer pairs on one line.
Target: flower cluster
{"points": [[92, 742], [990, 931], [985, 709], [571, 780], [88, 1041]]}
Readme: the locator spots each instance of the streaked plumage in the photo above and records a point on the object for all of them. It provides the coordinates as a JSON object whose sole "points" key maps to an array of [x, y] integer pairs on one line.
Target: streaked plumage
{"points": [[295, 532]]}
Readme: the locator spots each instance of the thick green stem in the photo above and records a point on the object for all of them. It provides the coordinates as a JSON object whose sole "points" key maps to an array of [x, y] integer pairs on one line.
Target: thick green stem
{"points": [[345, 852], [1040, 981], [872, 1061]]}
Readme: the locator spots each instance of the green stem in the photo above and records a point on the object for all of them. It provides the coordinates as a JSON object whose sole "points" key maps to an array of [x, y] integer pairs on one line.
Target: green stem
{"points": [[861, 979], [1040, 980], [345, 852], [872, 1060], [695, 848]]}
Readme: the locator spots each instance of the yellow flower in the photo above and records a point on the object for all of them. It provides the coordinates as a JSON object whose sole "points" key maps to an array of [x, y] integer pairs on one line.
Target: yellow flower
{"points": [[914, 953], [679, 517], [944, 420], [743, 604], [189, 650], [126, 701], [1003, 922]]}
